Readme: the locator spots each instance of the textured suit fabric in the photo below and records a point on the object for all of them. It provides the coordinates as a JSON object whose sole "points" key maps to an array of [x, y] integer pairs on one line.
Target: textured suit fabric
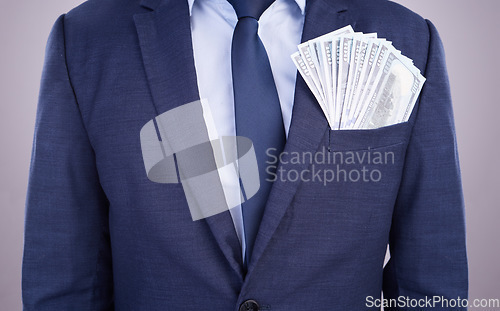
{"points": [[101, 236]]}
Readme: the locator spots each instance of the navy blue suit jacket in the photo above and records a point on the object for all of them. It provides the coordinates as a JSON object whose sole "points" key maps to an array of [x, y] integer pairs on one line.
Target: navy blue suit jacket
{"points": [[101, 236]]}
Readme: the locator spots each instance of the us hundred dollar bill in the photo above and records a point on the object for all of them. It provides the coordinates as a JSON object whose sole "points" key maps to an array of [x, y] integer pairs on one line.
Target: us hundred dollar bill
{"points": [[369, 60], [343, 76], [359, 80], [307, 56], [392, 99], [377, 66], [305, 72]]}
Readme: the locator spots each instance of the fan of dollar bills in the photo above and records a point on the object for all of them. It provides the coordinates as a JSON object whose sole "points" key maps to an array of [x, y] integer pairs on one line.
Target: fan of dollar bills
{"points": [[359, 80]]}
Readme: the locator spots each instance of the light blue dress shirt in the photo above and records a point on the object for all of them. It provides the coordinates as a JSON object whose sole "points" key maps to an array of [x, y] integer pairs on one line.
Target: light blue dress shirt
{"points": [[212, 25]]}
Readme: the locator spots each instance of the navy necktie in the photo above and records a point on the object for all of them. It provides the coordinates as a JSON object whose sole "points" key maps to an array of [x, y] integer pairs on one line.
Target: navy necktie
{"points": [[257, 106]]}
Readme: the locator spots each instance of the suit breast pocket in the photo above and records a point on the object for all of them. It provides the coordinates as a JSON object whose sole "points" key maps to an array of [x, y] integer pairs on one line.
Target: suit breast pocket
{"points": [[365, 160], [353, 140], [358, 169], [355, 179]]}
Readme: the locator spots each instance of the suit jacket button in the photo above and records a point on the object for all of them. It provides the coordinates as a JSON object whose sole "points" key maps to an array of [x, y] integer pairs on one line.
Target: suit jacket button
{"points": [[249, 305]]}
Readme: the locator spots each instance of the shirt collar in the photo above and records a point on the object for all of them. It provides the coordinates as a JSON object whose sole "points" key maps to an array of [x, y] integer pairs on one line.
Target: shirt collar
{"points": [[300, 3]]}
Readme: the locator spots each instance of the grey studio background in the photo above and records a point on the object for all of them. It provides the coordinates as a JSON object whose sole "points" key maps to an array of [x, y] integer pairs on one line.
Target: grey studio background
{"points": [[469, 31]]}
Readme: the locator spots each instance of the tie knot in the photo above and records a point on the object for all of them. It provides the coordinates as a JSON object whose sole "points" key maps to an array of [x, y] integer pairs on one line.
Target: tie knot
{"points": [[250, 8]]}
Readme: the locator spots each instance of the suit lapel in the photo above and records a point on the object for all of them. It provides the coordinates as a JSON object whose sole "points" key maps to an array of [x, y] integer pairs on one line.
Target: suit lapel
{"points": [[166, 46], [308, 124], [165, 41]]}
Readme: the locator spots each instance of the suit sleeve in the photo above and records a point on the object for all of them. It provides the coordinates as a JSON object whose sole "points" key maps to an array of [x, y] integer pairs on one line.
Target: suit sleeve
{"points": [[67, 256], [427, 238]]}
